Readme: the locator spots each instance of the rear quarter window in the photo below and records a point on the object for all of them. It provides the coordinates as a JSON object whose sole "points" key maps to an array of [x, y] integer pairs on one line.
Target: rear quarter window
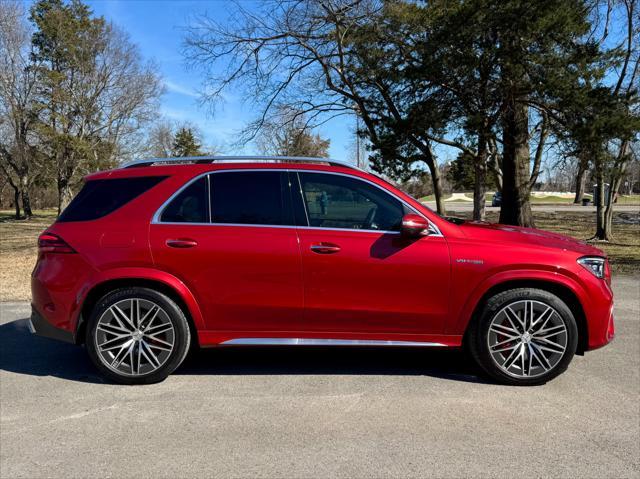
{"points": [[98, 198]]}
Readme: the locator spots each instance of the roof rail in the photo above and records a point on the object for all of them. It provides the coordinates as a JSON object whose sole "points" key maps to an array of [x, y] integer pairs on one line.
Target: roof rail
{"points": [[236, 159]]}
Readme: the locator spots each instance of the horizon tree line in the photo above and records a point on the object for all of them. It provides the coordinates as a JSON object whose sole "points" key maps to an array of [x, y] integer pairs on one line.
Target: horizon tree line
{"points": [[504, 84]]}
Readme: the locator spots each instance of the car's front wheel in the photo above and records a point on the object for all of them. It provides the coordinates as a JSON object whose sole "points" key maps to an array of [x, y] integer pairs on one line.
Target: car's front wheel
{"points": [[137, 336], [524, 336]]}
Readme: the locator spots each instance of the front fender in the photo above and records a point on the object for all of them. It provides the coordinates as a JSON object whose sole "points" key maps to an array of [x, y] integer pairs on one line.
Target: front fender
{"points": [[558, 277]]}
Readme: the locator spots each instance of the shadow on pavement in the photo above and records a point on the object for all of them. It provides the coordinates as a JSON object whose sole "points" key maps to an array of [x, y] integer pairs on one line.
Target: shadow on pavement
{"points": [[24, 353]]}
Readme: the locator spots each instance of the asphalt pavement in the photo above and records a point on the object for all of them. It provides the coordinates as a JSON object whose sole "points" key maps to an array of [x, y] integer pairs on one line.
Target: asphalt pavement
{"points": [[317, 412]]}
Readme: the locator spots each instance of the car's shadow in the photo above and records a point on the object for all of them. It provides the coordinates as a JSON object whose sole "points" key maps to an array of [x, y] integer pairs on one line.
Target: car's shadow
{"points": [[24, 353]]}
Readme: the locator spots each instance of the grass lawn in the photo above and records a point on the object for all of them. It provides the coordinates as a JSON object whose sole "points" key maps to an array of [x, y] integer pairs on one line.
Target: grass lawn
{"points": [[18, 251], [18, 247]]}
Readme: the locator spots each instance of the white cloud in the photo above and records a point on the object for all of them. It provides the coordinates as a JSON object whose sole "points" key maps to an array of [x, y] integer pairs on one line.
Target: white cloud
{"points": [[182, 90], [174, 114]]}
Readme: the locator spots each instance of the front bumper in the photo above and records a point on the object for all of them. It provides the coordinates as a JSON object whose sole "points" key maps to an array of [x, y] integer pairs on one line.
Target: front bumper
{"points": [[40, 326]]}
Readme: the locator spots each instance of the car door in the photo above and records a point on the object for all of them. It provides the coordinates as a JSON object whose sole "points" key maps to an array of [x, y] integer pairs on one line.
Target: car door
{"points": [[360, 274], [230, 237]]}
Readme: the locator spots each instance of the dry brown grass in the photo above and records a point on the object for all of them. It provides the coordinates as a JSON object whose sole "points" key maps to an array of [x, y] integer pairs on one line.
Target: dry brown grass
{"points": [[18, 250], [18, 244]]}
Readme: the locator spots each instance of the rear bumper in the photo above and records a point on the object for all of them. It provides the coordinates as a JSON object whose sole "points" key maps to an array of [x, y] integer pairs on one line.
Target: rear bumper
{"points": [[40, 326]]}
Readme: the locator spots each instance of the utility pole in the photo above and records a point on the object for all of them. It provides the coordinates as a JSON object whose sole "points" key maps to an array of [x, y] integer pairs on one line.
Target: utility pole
{"points": [[357, 139]]}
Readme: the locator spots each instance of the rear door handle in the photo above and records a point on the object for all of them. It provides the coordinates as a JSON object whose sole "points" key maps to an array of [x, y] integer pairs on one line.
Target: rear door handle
{"points": [[325, 248], [181, 243]]}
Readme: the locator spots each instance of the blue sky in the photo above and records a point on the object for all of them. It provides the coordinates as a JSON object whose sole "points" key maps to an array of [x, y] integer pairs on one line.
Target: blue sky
{"points": [[157, 28]]}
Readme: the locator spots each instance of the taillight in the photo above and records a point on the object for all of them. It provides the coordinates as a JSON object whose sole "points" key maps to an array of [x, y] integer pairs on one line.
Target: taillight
{"points": [[50, 243]]}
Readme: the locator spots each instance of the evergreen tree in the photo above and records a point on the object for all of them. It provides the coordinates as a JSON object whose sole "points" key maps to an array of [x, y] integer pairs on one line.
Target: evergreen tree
{"points": [[186, 144], [94, 92]]}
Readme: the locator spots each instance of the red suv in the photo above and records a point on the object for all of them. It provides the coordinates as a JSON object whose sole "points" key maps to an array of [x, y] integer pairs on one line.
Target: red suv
{"points": [[158, 255]]}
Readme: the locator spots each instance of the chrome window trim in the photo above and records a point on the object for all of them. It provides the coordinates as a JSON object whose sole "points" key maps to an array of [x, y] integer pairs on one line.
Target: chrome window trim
{"points": [[327, 342], [434, 230]]}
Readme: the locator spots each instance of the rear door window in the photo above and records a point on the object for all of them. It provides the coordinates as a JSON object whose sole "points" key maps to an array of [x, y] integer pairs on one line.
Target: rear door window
{"points": [[98, 198], [251, 198], [191, 205]]}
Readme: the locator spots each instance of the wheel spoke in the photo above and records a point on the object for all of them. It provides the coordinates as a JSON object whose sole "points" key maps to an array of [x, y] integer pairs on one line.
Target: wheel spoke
{"points": [[153, 341], [105, 346], [553, 331], [121, 317], [124, 350], [515, 354], [526, 312], [144, 322], [550, 346], [508, 340], [540, 357], [530, 354], [136, 316], [504, 330], [513, 316], [542, 316], [161, 328], [131, 362], [112, 329], [506, 348], [150, 355]]}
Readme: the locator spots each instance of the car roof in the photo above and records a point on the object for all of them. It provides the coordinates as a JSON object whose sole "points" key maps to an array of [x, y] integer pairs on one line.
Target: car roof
{"points": [[235, 159], [170, 166]]}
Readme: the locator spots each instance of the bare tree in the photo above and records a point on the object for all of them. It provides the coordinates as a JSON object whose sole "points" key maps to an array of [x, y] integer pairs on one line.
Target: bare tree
{"points": [[299, 53], [289, 135], [18, 111], [612, 164], [159, 141]]}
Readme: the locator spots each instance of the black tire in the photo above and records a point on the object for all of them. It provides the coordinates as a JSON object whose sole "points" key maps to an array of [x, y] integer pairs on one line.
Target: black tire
{"points": [[479, 337], [181, 335]]}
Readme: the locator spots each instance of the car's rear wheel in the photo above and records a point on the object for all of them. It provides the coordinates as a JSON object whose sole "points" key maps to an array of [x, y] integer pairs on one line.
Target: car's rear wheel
{"points": [[137, 336], [524, 337]]}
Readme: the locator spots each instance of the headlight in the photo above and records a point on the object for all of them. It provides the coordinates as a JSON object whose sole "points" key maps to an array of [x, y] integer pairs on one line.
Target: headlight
{"points": [[594, 264]]}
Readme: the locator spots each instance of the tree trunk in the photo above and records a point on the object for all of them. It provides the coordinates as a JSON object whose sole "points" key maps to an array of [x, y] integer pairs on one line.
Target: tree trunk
{"points": [[580, 180], [600, 226], [16, 200], [496, 170], [516, 205], [437, 190], [64, 194], [480, 185], [26, 204], [436, 177], [614, 186], [26, 201]]}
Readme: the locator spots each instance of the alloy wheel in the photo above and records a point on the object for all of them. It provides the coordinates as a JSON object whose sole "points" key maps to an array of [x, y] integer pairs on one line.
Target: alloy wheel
{"points": [[527, 339], [134, 337]]}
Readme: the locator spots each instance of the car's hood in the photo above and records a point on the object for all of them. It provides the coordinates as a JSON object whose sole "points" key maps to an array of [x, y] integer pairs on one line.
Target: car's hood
{"points": [[514, 234]]}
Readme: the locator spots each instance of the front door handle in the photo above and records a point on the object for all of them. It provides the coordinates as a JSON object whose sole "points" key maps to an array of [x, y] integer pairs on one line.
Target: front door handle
{"points": [[181, 243], [325, 248]]}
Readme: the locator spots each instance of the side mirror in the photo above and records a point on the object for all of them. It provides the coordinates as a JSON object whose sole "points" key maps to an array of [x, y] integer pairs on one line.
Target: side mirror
{"points": [[413, 225]]}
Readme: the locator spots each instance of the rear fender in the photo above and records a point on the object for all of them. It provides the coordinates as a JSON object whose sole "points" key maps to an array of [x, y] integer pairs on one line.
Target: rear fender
{"points": [[142, 274]]}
